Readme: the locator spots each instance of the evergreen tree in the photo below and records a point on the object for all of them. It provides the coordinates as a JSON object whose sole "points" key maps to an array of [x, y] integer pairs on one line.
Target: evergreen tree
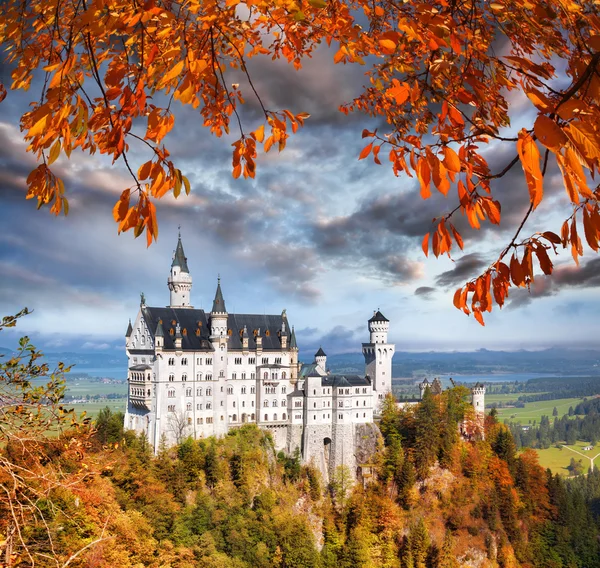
{"points": [[427, 442]]}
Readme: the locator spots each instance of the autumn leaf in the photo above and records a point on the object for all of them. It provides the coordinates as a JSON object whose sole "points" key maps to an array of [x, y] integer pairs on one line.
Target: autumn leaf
{"points": [[530, 160]]}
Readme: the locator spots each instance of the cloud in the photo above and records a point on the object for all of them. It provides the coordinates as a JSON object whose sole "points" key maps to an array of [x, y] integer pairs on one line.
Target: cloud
{"points": [[464, 269], [95, 346], [425, 292], [339, 339]]}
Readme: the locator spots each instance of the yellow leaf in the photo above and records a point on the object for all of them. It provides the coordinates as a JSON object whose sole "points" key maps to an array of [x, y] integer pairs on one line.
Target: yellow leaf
{"points": [[387, 46], [259, 133], [317, 3], [174, 72], [54, 152]]}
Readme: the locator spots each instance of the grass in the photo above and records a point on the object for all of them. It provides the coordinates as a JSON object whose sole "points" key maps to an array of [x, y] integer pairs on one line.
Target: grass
{"points": [[533, 411], [557, 459], [506, 398]]}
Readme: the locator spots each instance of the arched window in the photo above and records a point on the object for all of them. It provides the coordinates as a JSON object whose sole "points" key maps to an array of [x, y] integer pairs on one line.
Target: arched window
{"points": [[283, 403], [283, 375], [171, 378], [172, 393], [275, 416], [188, 392], [266, 417], [265, 375], [266, 403], [188, 406], [274, 403], [199, 391], [184, 377], [283, 416]]}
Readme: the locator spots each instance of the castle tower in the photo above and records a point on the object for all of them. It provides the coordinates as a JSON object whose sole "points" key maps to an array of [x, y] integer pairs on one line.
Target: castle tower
{"points": [[180, 280], [378, 357], [478, 398], [422, 386], [219, 337], [321, 360], [293, 357]]}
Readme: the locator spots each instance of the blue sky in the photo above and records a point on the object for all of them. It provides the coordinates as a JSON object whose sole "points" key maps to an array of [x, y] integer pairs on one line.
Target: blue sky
{"points": [[319, 233]]}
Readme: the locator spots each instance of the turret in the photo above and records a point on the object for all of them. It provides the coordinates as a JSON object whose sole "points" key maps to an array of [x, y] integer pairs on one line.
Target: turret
{"points": [[218, 314], [424, 385], [321, 359], [129, 330], [478, 398], [178, 337], [379, 326], [245, 340], [180, 280], [159, 336], [293, 356], [283, 334]]}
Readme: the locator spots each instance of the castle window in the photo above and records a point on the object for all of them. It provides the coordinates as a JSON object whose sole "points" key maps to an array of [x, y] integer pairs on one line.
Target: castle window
{"points": [[208, 377], [234, 376], [235, 417], [184, 377], [199, 421], [357, 391], [267, 333], [184, 361], [314, 405], [357, 415], [243, 390], [315, 392], [283, 375], [229, 332], [243, 376], [135, 359], [171, 393], [171, 361], [283, 416], [252, 376], [298, 403], [252, 390], [266, 417], [188, 406], [265, 376], [252, 361], [171, 378], [171, 331], [283, 389], [274, 376], [266, 403], [221, 418], [364, 403], [340, 416], [198, 361], [274, 403], [315, 417], [275, 416], [277, 360], [364, 415], [188, 392], [364, 391], [357, 405], [222, 404], [199, 406], [341, 404], [197, 333], [209, 420], [243, 404], [143, 340], [198, 376], [171, 408], [238, 360], [229, 390], [208, 392], [221, 373], [234, 404], [209, 360], [208, 406], [265, 360]]}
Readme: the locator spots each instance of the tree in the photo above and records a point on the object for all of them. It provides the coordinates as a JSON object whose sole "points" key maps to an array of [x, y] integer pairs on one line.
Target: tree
{"points": [[42, 446], [443, 76]]}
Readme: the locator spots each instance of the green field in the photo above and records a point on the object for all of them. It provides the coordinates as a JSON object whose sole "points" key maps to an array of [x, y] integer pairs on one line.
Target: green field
{"points": [[557, 459], [533, 411], [506, 398]]}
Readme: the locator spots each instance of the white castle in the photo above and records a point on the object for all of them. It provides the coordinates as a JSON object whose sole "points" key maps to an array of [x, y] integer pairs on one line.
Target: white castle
{"points": [[199, 374]]}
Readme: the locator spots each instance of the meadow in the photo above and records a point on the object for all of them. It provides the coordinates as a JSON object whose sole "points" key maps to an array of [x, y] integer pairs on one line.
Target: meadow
{"points": [[557, 459], [533, 411]]}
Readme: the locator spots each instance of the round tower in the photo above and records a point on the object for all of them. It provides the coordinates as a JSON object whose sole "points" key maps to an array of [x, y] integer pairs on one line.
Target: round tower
{"points": [[424, 385], [379, 326], [478, 397], [180, 280]]}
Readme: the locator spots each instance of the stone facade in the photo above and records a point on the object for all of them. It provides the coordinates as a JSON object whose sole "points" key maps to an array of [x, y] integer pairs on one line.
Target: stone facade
{"points": [[197, 373]]}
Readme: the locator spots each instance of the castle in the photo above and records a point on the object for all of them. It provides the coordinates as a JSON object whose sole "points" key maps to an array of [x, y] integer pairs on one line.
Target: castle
{"points": [[196, 373]]}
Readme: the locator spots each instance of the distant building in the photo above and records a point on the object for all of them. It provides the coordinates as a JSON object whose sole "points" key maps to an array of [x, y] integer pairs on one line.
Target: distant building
{"points": [[197, 373]]}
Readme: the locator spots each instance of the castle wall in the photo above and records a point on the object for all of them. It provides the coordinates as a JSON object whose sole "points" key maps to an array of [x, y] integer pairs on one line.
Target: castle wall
{"points": [[294, 438], [279, 434], [318, 444], [342, 449]]}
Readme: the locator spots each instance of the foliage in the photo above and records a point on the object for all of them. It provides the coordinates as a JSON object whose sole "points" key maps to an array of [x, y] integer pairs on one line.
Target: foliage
{"points": [[443, 76]]}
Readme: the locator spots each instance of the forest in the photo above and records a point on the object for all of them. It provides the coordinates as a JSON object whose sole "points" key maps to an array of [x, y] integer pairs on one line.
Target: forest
{"points": [[444, 490]]}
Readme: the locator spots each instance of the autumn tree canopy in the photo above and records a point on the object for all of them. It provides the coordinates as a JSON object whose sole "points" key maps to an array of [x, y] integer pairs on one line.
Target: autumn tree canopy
{"points": [[441, 75]]}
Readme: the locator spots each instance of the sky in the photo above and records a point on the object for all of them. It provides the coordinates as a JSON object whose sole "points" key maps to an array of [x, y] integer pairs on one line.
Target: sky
{"points": [[319, 233]]}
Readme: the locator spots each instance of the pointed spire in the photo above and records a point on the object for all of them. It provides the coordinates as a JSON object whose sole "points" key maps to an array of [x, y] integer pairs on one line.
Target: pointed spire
{"points": [[219, 302], [179, 258], [129, 330], [320, 353], [293, 344], [159, 330]]}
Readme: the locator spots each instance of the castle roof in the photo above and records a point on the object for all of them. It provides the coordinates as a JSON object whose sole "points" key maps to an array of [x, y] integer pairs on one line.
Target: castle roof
{"points": [[195, 328], [320, 353], [293, 344], [140, 367], [159, 329], [378, 316], [179, 259], [129, 330], [344, 381], [219, 302]]}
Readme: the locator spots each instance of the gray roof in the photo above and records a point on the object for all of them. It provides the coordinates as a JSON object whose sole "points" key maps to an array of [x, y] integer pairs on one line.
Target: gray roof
{"points": [[129, 330], [345, 381], [219, 302], [320, 353], [159, 329], [378, 316], [296, 393], [293, 344], [140, 368], [195, 328], [179, 259]]}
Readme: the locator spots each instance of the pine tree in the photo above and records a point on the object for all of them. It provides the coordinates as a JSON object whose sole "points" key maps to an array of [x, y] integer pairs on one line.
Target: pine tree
{"points": [[427, 434]]}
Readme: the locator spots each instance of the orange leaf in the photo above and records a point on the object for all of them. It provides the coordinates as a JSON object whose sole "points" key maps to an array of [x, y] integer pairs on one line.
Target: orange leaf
{"points": [[530, 160], [479, 317], [549, 133], [387, 46], [259, 133], [451, 160], [399, 91], [366, 151], [425, 244], [424, 175]]}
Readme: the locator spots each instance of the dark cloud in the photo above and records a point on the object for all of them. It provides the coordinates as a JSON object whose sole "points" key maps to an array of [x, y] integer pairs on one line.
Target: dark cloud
{"points": [[564, 277], [425, 292], [464, 269], [340, 339]]}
